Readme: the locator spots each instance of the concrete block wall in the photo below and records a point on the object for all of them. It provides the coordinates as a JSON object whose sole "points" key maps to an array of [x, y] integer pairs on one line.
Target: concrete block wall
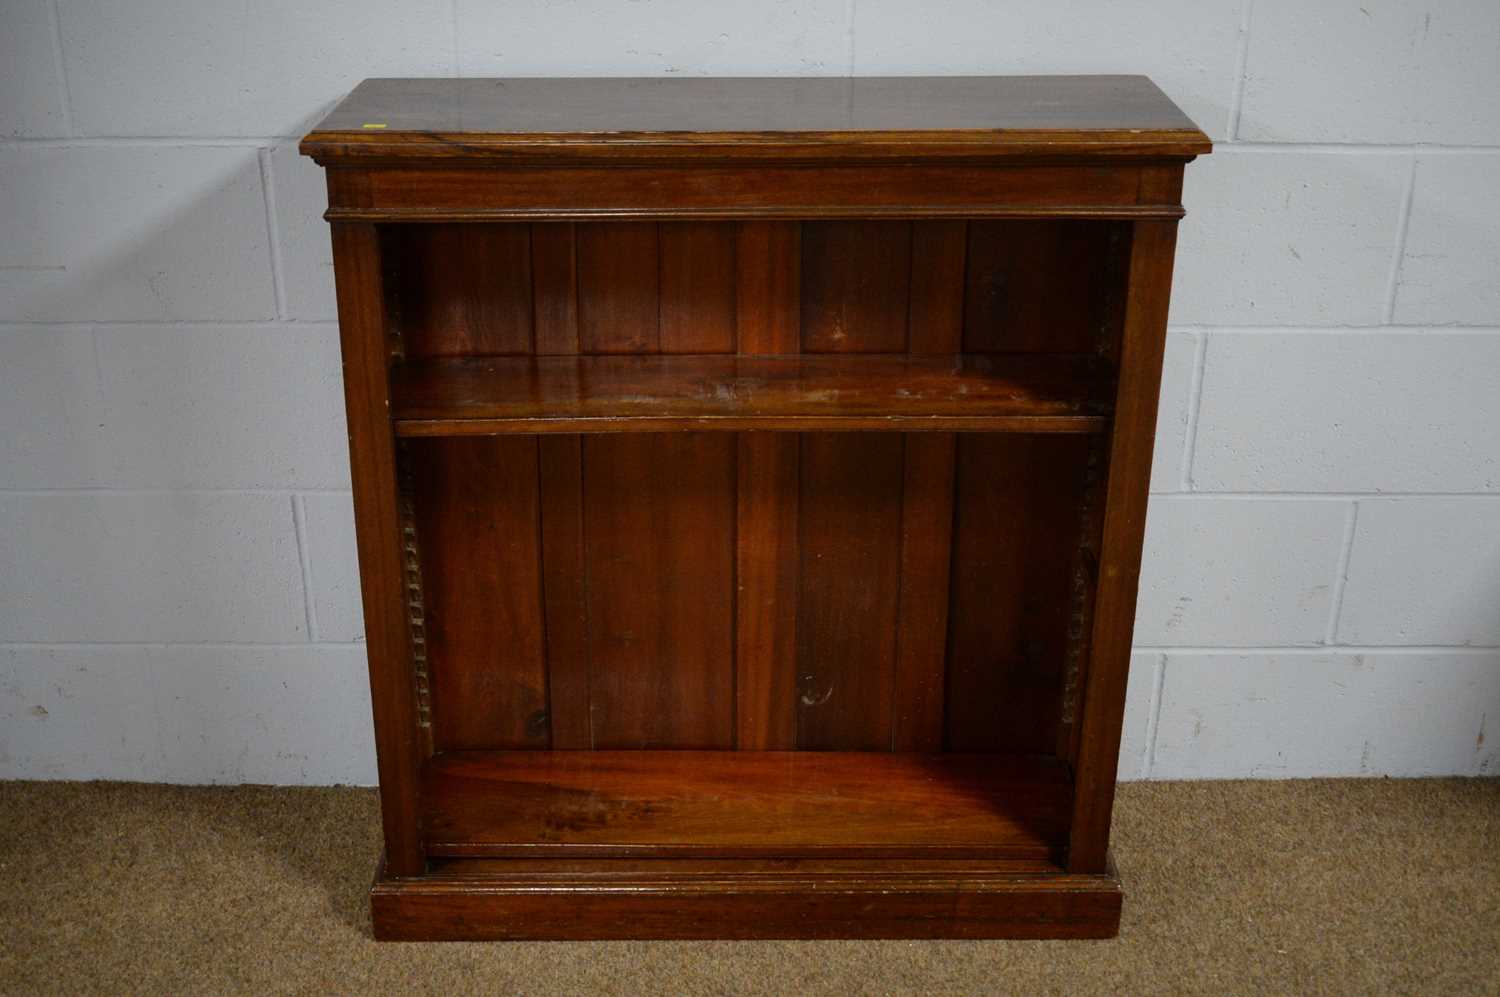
{"points": [[178, 596]]}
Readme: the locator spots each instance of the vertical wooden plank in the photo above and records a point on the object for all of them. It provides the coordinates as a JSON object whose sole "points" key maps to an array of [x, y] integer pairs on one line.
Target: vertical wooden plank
{"points": [[850, 555], [766, 562], [466, 290], [766, 593], [554, 273], [618, 287], [856, 283], [1035, 286], [560, 472], [659, 521], [768, 289], [1128, 479], [477, 514], [922, 619], [372, 459], [939, 250], [697, 287], [1016, 521]]}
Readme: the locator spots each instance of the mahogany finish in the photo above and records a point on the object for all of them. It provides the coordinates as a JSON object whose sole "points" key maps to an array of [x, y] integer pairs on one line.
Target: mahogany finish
{"points": [[750, 479], [744, 804], [488, 395]]}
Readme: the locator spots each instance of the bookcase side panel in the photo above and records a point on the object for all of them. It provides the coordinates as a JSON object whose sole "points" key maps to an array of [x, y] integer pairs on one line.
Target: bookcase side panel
{"points": [[357, 267], [1142, 342]]}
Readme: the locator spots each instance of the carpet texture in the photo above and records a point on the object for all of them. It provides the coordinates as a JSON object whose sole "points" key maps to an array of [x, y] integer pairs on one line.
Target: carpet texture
{"points": [[1320, 886]]}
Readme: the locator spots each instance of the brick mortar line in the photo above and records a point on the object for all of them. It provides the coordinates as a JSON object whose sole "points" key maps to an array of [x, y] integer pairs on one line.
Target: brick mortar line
{"points": [[1341, 575], [1403, 226], [259, 324], [1430, 329], [1195, 408], [1282, 496], [55, 15], [273, 231], [304, 558], [215, 644], [1312, 650], [107, 490], [1241, 71], [1153, 717]]}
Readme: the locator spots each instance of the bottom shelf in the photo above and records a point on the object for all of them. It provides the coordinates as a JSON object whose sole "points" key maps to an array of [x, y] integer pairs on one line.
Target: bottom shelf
{"points": [[743, 844], [745, 804]]}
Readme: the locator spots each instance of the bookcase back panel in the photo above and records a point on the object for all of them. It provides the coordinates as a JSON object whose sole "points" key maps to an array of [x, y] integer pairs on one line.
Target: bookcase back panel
{"points": [[1020, 523], [1008, 286], [616, 591], [474, 511], [658, 526]]}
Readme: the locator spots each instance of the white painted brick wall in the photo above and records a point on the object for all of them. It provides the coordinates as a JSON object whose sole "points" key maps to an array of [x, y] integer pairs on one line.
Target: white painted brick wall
{"points": [[178, 593], [173, 406], [1238, 572], [1288, 238], [1424, 571], [1449, 271], [1287, 714], [1304, 411], [225, 67], [1393, 71], [33, 103], [179, 566], [653, 38], [117, 233]]}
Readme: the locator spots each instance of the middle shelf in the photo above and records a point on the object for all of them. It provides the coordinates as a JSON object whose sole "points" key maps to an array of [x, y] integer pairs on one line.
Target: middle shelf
{"points": [[1029, 393]]}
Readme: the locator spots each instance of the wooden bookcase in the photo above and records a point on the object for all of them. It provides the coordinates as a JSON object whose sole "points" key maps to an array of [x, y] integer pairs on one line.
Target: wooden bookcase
{"points": [[749, 482]]}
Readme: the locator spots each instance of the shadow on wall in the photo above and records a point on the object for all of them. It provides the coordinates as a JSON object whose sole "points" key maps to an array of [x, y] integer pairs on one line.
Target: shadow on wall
{"points": [[107, 233]]}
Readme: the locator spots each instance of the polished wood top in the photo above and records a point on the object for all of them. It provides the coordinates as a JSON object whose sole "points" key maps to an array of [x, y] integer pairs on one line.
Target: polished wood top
{"points": [[781, 118]]}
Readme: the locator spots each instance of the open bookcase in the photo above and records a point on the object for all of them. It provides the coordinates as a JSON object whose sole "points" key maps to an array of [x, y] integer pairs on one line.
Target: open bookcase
{"points": [[749, 480]]}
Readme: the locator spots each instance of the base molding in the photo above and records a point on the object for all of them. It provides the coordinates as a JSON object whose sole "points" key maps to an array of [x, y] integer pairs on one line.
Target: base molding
{"points": [[493, 900]]}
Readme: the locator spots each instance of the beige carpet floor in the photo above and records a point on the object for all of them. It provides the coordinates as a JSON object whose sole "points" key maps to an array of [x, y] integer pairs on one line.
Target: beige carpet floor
{"points": [[1320, 886]]}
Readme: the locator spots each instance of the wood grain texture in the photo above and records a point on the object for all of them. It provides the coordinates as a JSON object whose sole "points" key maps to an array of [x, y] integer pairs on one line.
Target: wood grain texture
{"points": [[372, 466], [766, 596], [697, 281], [939, 255], [1036, 286], [868, 117], [878, 904], [420, 192], [922, 622], [751, 804], [1143, 340], [477, 508], [639, 393], [768, 287], [565, 590], [850, 551], [659, 513], [856, 284], [465, 290], [618, 288], [1017, 501], [554, 274], [572, 282]]}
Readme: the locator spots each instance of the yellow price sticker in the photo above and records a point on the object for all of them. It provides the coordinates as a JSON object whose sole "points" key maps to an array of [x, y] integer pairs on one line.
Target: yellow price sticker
{"points": [[373, 124]]}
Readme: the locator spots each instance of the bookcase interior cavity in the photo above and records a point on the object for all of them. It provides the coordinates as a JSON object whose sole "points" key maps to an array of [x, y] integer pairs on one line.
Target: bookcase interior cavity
{"points": [[921, 591]]}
